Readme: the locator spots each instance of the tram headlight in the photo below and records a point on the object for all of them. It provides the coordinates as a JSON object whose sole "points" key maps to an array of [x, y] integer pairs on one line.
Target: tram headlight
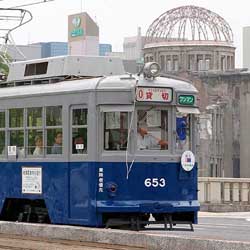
{"points": [[151, 69], [111, 188]]}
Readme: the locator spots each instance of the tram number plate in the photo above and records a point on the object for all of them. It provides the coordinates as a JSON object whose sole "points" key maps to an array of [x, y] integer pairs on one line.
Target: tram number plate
{"points": [[155, 182]]}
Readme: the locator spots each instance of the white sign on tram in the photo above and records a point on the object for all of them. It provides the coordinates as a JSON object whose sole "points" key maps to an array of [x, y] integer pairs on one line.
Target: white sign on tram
{"points": [[31, 180], [144, 94], [187, 160]]}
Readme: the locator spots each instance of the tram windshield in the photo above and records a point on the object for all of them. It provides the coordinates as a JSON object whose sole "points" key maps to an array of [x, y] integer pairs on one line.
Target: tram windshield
{"points": [[152, 129]]}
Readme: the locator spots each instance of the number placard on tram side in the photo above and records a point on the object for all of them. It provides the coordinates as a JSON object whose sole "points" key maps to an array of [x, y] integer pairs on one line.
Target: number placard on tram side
{"points": [[144, 94]]}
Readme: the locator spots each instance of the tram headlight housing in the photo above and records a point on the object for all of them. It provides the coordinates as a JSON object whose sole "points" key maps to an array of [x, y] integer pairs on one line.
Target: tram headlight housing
{"points": [[151, 69], [111, 188]]}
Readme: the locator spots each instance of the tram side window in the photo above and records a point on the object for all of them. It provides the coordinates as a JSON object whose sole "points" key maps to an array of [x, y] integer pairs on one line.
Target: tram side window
{"points": [[115, 130], [152, 129], [2, 133], [79, 131], [16, 132], [54, 130], [35, 132], [183, 132]]}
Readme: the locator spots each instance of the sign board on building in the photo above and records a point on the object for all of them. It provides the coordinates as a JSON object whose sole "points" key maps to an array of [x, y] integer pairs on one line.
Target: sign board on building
{"points": [[77, 29]]}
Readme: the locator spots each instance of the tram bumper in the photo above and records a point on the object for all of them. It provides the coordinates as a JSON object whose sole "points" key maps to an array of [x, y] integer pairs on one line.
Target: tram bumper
{"points": [[148, 207]]}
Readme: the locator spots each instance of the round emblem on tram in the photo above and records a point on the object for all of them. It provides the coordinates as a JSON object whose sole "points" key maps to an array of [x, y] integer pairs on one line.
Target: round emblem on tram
{"points": [[187, 160]]}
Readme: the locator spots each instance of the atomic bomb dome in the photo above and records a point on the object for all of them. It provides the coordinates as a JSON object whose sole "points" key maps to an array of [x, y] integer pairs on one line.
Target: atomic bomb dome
{"points": [[190, 38]]}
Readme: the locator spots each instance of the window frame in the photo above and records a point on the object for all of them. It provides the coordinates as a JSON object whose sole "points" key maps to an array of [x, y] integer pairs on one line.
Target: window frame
{"points": [[71, 126], [46, 128], [192, 128], [27, 129], [4, 129], [11, 129], [114, 108], [170, 136]]}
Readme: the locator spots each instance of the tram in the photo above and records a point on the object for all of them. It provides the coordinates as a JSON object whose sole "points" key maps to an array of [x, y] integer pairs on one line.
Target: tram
{"points": [[84, 143]]}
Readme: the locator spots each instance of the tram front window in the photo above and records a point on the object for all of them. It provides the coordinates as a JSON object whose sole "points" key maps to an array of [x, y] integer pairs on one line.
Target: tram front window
{"points": [[152, 129], [115, 130], [183, 132]]}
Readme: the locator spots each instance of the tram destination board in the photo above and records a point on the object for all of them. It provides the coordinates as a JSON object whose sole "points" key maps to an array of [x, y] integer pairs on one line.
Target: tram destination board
{"points": [[148, 94], [186, 99]]}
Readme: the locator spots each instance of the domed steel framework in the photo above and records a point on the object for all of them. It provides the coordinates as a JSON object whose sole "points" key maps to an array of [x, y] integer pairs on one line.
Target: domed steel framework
{"points": [[189, 23]]}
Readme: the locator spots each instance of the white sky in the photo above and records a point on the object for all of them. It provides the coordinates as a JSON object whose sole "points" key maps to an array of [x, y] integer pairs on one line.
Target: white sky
{"points": [[120, 18]]}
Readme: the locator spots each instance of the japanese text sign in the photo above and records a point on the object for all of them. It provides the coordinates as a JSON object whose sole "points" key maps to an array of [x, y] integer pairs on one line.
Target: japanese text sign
{"points": [[144, 94]]}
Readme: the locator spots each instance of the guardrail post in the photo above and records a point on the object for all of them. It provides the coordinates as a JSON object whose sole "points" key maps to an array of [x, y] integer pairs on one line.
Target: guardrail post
{"points": [[236, 192], [226, 192], [245, 192], [215, 194], [201, 194]]}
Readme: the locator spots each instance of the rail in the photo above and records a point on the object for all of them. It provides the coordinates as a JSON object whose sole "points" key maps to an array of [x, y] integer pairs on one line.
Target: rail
{"points": [[215, 190]]}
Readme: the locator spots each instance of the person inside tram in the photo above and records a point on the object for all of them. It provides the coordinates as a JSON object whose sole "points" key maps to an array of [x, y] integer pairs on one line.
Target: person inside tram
{"points": [[146, 140], [57, 147], [78, 145], [39, 146]]}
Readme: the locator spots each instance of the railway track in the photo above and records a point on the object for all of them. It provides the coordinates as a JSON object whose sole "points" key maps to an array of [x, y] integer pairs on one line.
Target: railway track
{"points": [[11, 242]]}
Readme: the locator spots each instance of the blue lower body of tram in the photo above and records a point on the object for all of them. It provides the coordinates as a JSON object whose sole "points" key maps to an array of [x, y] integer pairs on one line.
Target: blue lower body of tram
{"points": [[90, 193]]}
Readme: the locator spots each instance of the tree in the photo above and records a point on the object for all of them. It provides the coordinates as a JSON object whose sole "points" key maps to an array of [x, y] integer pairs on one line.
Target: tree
{"points": [[4, 60]]}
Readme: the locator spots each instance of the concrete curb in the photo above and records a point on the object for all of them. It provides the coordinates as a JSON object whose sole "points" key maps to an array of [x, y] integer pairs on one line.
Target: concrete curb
{"points": [[221, 208], [119, 237]]}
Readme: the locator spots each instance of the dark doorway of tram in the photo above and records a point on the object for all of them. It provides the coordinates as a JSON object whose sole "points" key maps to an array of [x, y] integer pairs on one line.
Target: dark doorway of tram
{"points": [[25, 210]]}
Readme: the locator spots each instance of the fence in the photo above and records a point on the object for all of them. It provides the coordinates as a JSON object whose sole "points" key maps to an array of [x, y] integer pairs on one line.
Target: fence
{"points": [[224, 190]]}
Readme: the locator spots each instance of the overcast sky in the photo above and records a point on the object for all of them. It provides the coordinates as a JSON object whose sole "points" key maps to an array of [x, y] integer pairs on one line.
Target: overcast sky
{"points": [[120, 18]]}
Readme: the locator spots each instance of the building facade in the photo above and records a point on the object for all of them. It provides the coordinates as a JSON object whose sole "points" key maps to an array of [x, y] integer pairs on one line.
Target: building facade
{"points": [[104, 49], [246, 47], [83, 35], [132, 46], [202, 51], [50, 49]]}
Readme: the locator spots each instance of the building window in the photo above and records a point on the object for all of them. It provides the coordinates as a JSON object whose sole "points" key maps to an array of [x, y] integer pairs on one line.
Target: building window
{"points": [[163, 63]]}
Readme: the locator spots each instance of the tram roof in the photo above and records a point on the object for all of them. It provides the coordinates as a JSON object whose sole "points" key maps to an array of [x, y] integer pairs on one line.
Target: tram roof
{"points": [[109, 83]]}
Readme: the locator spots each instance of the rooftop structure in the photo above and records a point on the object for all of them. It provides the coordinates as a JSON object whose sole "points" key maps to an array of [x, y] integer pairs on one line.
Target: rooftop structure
{"points": [[190, 23], [190, 38]]}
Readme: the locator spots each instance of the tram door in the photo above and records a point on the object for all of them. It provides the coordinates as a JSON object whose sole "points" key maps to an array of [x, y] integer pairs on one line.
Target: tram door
{"points": [[79, 166]]}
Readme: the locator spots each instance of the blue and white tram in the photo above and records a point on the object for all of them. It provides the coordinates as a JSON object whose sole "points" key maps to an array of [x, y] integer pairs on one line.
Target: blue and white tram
{"points": [[96, 151]]}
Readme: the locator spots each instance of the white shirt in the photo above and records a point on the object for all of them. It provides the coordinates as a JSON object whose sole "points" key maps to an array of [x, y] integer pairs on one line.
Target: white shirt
{"points": [[38, 151], [147, 142]]}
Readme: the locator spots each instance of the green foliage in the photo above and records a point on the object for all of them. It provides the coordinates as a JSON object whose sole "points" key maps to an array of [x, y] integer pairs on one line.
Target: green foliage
{"points": [[4, 68]]}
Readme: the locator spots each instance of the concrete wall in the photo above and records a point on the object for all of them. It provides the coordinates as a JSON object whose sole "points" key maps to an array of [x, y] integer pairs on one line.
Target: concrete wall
{"points": [[244, 128], [246, 47]]}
